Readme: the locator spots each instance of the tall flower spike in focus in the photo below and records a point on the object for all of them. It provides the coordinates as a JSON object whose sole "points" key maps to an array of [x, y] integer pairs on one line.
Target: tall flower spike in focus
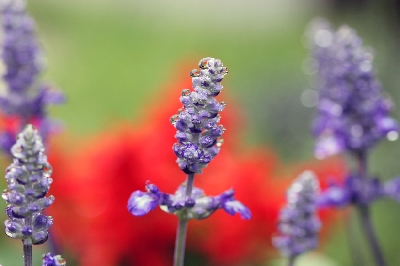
{"points": [[28, 179], [26, 99], [298, 221], [199, 135], [352, 112]]}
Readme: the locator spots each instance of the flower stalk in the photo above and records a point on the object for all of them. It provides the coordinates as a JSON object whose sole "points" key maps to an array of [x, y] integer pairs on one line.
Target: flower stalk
{"points": [[179, 254], [364, 211]]}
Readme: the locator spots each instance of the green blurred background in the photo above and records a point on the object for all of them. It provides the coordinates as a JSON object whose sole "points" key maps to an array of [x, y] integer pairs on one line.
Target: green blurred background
{"points": [[111, 57]]}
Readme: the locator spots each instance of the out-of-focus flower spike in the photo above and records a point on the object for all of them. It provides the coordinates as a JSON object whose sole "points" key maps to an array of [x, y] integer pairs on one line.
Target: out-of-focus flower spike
{"points": [[298, 221], [26, 98], [352, 112]]}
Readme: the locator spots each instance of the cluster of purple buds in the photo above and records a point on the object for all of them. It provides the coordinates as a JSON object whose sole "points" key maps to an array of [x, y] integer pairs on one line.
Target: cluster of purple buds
{"points": [[198, 206], [26, 98], [49, 259], [298, 221], [352, 112], [199, 135], [28, 179]]}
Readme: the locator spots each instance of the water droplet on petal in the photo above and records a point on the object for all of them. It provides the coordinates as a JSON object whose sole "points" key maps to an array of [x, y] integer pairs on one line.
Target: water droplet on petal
{"points": [[5, 195], [222, 128], [224, 70], [220, 141], [174, 119], [61, 261], [47, 170], [195, 73], [203, 64], [185, 92], [180, 110]]}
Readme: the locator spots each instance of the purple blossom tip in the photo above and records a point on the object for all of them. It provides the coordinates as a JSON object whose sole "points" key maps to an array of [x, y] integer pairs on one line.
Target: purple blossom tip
{"points": [[298, 221], [352, 112], [141, 203], [199, 135], [49, 259], [234, 206]]}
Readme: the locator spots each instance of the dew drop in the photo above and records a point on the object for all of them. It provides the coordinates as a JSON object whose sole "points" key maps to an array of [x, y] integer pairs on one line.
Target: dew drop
{"points": [[5, 195], [203, 64], [222, 128], [220, 141], [174, 119], [185, 92], [223, 104], [224, 70], [180, 110], [61, 261], [47, 170], [195, 73]]}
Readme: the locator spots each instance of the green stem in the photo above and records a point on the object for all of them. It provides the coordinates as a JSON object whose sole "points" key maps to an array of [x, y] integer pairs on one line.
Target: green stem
{"points": [[180, 242], [291, 260], [364, 212]]}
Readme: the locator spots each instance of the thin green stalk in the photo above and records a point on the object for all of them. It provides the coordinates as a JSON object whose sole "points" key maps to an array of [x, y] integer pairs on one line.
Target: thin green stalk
{"points": [[27, 255], [180, 242], [365, 218], [291, 260]]}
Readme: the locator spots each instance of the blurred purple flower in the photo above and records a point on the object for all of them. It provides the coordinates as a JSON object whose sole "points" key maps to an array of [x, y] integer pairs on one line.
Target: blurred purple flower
{"points": [[355, 191], [352, 112], [298, 221], [25, 99]]}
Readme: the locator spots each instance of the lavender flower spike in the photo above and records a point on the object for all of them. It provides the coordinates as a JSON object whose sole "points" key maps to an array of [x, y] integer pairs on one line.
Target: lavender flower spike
{"points": [[298, 222], [25, 99], [199, 134], [28, 179], [352, 112], [49, 259], [198, 206]]}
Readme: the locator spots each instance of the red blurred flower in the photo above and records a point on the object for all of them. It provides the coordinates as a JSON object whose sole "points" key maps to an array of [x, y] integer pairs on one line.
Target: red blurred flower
{"points": [[93, 183]]}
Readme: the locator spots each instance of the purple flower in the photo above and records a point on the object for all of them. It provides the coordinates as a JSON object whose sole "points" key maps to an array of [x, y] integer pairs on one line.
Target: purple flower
{"points": [[28, 179], [49, 259], [392, 188], [26, 98], [352, 112], [355, 190], [199, 134], [198, 206], [298, 221]]}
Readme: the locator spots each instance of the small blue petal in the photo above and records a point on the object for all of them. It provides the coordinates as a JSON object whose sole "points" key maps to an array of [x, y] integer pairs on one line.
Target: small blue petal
{"points": [[141, 203], [234, 206]]}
